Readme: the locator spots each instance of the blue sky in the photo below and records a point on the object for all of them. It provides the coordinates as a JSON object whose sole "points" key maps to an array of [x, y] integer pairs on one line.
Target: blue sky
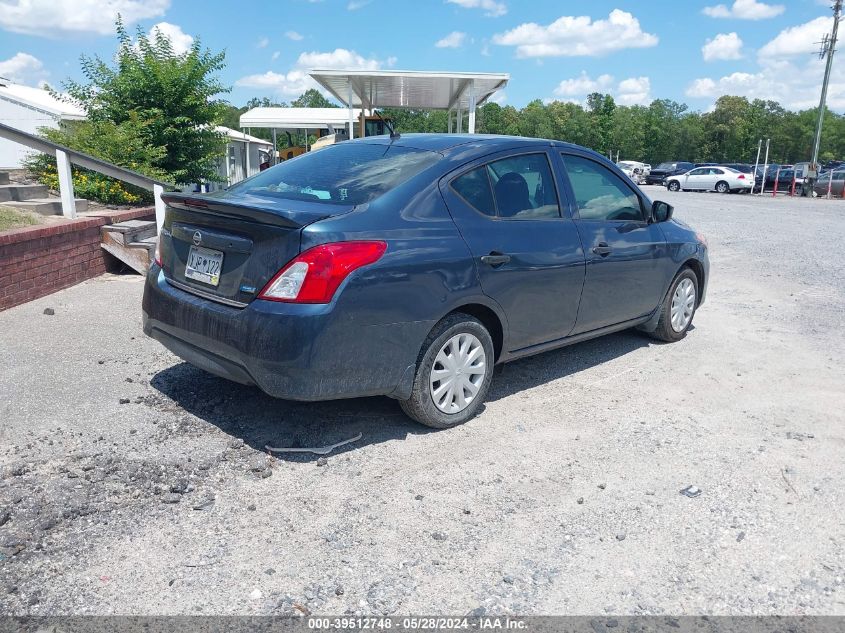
{"points": [[688, 50]]}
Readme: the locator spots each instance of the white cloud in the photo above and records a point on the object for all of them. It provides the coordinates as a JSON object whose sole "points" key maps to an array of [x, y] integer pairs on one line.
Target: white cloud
{"points": [[571, 36], [723, 46], [745, 10], [634, 91], [179, 40], [275, 55], [296, 80], [793, 85], [293, 35], [455, 39], [263, 42], [583, 85], [630, 91], [354, 5], [500, 97], [22, 68], [492, 8], [797, 40], [52, 18]]}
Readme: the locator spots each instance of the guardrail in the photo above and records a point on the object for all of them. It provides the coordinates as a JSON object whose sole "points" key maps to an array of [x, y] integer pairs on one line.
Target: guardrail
{"points": [[65, 157]]}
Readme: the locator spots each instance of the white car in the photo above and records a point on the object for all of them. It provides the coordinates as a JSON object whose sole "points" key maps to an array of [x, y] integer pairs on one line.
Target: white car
{"points": [[716, 178], [634, 170]]}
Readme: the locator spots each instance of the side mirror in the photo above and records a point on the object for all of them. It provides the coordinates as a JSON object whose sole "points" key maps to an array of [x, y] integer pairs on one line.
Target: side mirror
{"points": [[661, 211]]}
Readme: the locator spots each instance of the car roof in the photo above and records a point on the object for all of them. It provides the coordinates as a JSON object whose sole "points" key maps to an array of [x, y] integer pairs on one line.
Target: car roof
{"points": [[446, 142]]}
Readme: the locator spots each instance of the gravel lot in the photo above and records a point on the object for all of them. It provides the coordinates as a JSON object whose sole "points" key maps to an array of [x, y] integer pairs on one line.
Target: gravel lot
{"points": [[134, 484]]}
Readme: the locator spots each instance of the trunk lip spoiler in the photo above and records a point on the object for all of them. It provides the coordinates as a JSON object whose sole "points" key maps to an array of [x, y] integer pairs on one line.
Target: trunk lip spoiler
{"points": [[200, 203]]}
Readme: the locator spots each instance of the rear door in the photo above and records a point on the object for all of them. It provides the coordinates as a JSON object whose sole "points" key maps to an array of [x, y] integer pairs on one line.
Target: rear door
{"points": [[527, 253], [628, 265]]}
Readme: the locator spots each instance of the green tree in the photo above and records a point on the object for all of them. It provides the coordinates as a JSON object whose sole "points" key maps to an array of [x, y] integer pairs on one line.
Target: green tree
{"points": [[169, 100], [312, 98]]}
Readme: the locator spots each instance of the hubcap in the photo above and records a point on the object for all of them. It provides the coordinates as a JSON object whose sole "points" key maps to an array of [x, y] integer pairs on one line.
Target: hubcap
{"points": [[683, 304], [457, 373]]}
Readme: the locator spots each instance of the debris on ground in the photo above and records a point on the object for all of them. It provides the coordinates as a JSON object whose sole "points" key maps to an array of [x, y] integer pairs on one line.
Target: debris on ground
{"points": [[691, 491], [317, 450]]}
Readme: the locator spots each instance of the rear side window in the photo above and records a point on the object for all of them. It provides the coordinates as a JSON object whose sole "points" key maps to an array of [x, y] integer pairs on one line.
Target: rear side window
{"points": [[518, 188], [346, 174], [474, 187], [599, 193]]}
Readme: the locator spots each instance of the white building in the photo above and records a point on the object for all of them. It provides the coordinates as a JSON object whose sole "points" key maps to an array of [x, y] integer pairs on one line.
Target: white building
{"points": [[244, 156], [28, 109]]}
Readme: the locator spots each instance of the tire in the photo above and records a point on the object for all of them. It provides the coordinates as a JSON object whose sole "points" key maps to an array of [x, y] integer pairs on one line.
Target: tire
{"points": [[722, 187], [673, 185], [666, 330], [421, 405]]}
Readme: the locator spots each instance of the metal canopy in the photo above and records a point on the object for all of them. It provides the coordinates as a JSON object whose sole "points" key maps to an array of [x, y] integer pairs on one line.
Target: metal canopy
{"points": [[295, 118], [409, 88], [424, 90]]}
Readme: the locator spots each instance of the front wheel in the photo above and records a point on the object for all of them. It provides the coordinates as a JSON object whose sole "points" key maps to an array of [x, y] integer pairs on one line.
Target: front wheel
{"points": [[674, 185], [678, 308], [454, 372]]}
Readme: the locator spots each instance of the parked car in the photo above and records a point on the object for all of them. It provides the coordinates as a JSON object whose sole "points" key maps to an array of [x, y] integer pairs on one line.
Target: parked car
{"points": [[721, 179], [636, 171], [782, 174], [408, 267], [835, 180], [659, 174], [745, 168]]}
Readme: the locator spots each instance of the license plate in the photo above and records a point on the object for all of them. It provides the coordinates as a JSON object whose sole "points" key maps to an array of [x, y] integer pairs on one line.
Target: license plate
{"points": [[204, 265]]}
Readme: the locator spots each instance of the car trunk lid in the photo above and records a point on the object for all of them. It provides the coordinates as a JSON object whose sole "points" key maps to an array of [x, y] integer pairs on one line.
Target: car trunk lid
{"points": [[226, 248]]}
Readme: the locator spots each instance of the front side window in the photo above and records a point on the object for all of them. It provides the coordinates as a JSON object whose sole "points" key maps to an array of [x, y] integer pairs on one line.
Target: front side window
{"points": [[518, 188], [599, 193], [345, 174]]}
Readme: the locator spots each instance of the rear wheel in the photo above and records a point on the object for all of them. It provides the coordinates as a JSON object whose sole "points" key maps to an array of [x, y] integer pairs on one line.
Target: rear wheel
{"points": [[722, 187], [678, 308], [674, 185], [454, 371]]}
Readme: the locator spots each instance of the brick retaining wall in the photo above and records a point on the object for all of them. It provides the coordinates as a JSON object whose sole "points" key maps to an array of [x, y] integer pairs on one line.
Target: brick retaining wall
{"points": [[39, 260]]}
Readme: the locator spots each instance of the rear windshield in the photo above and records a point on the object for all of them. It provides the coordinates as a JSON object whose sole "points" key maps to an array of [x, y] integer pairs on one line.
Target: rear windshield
{"points": [[346, 173]]}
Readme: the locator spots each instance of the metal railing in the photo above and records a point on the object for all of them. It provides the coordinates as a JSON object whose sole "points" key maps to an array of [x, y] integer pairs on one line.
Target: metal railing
{"points": [[65, 157]]}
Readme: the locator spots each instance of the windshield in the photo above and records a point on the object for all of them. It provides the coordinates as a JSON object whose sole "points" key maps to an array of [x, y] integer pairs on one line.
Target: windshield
{"points": [[625, 164], [346, 173], [666, 166]]}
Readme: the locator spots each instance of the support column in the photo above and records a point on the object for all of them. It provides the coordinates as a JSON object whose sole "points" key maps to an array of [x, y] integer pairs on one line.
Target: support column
{"points": [[471, 122], [351, 111], [157, 191], [65, 184], [450, 121], [460, 123], [275, 150]]}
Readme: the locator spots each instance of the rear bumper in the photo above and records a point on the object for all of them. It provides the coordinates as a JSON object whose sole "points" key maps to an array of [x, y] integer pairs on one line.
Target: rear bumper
{"points": [[290, 351]]}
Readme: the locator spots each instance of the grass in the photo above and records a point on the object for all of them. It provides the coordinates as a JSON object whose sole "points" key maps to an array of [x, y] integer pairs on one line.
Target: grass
{"points": [[14, 219]]}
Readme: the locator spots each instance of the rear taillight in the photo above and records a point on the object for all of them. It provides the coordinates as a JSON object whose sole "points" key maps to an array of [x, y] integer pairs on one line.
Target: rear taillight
{"points": [[741, 177], [157, 255], [314, 276]]}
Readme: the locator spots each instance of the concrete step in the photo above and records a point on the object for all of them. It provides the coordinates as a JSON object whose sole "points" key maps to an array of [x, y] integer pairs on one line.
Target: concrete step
{"points": [[4, 178], [22, 192], [137, 255], [46, 206], [131, 231]]}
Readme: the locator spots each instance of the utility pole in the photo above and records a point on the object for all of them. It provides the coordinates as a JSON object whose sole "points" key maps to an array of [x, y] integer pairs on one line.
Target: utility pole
{"points": [[827, 50]]}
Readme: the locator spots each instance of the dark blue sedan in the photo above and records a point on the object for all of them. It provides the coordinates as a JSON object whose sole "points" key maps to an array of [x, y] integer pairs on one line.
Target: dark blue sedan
{"points": [[408, 267]]}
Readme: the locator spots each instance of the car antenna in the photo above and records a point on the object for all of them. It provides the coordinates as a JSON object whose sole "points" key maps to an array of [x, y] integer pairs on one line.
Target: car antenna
{"points": [[393, 133]]}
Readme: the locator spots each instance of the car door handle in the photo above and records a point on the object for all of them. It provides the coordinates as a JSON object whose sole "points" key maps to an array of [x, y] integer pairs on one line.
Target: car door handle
{"points": [[495, 259], [602, 249]]}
